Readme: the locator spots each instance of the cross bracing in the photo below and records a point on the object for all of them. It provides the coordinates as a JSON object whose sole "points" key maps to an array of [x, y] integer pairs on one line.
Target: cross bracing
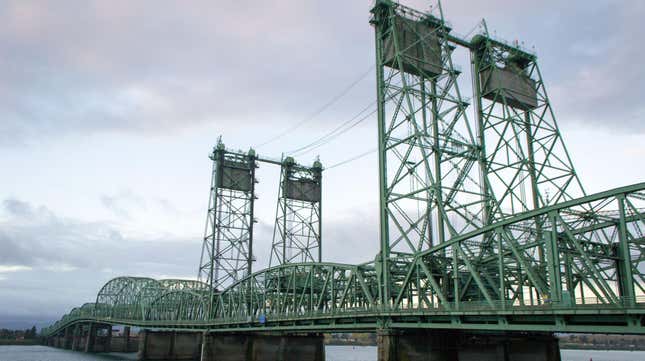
{"points": [[228, 236], [298, 224], [484, 223], [592, 281]]}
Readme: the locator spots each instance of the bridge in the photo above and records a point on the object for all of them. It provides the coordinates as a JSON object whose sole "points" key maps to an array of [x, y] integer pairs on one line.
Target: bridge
{"points": [[488, 242]]}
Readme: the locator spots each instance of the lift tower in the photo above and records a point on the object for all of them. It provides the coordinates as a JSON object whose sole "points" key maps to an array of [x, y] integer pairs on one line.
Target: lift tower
{"points": [[227, 251], [298, 228], [429, 180]]}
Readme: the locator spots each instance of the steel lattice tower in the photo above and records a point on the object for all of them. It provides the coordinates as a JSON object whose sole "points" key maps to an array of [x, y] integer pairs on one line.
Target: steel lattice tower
{"points": [[227, 251], [297, 230], [428, 152], [442, 175]]}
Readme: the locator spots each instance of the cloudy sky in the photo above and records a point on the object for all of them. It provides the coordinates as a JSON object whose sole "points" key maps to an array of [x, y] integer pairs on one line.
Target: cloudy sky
{"points": [[108, 110]]}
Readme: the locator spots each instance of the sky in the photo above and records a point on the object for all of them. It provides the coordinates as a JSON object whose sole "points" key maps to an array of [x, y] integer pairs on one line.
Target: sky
{"points": [[108, 111]]}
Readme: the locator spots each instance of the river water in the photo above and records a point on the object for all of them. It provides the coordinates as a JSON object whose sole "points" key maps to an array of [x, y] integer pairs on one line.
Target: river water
{"points": [[333, 353]]}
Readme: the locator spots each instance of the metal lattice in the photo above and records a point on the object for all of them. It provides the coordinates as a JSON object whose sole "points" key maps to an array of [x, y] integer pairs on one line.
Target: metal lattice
{"points": [[297, 230], [526, 163], [428, 153], [227, 251], [483, 223]]}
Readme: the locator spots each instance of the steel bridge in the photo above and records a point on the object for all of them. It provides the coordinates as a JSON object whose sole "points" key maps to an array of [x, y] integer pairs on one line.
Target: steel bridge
{"points": [[484, 222]]}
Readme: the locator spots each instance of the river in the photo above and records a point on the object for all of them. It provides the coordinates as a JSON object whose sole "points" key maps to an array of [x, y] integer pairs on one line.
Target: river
{"points": [[333, 353]]}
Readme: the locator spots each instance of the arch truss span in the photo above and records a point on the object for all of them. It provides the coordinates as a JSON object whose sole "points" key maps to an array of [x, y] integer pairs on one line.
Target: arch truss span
{"points": [[120, 298], [298, 290], [137, 299], [179, 305], [581, 254]]}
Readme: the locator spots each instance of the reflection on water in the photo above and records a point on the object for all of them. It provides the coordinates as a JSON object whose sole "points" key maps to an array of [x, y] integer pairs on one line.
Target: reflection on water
{"points": [[333, 353], [43, 353]]}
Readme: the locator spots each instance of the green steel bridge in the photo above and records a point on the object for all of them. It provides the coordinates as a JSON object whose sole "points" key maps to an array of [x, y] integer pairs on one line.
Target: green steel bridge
{"points": [[484, 223]]}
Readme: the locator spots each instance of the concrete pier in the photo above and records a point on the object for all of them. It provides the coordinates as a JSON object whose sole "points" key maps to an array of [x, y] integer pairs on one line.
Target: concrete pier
{"points": [[67, 341], [124, 343], [102, 338], [126, 339], [76, 337], [169, 345], [93, 337], [227, 347], [456, 346], [263, 347], [90, 338]]}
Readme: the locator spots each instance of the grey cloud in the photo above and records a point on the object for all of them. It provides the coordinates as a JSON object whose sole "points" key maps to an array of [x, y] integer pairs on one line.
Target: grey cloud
{"points": [[17, 208], [53, 240], [13, 253], [151, 67], [601, 80], [73, 258], [122, 202], [126, 202], [158, 67], [352, 241], [155, 67]]}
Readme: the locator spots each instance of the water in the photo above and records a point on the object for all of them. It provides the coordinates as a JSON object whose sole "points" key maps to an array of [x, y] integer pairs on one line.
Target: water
{"points": [[333, 353]]}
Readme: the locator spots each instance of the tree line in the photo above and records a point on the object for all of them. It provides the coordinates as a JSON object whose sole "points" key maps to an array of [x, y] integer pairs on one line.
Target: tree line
{"points": [[27, 334]]}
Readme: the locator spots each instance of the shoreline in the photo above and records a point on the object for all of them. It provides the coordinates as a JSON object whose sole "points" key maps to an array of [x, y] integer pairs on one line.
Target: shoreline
{"points": [[566, 346], [19, 342]]}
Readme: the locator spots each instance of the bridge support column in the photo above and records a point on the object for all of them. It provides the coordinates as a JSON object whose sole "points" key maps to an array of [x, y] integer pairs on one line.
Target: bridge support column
{"points": [[169, 345], [103, 338], [249, 347], [76, 337], [457, 346], [60, 340], [107, 345], [67, 341], [90, 339], [386, 342], [126, 339], [226, 347]]}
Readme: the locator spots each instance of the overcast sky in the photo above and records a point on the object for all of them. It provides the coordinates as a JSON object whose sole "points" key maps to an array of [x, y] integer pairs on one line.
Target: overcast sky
{"points": [[108, 111]]}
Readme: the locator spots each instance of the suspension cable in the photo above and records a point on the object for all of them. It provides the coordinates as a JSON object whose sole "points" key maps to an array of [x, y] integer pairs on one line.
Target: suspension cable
{"points": [[319, 110], [339, 130], [349, 160]]}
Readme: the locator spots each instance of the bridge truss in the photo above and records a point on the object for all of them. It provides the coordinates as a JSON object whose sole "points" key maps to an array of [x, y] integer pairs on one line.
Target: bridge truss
{"points": [[484, 224]]}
